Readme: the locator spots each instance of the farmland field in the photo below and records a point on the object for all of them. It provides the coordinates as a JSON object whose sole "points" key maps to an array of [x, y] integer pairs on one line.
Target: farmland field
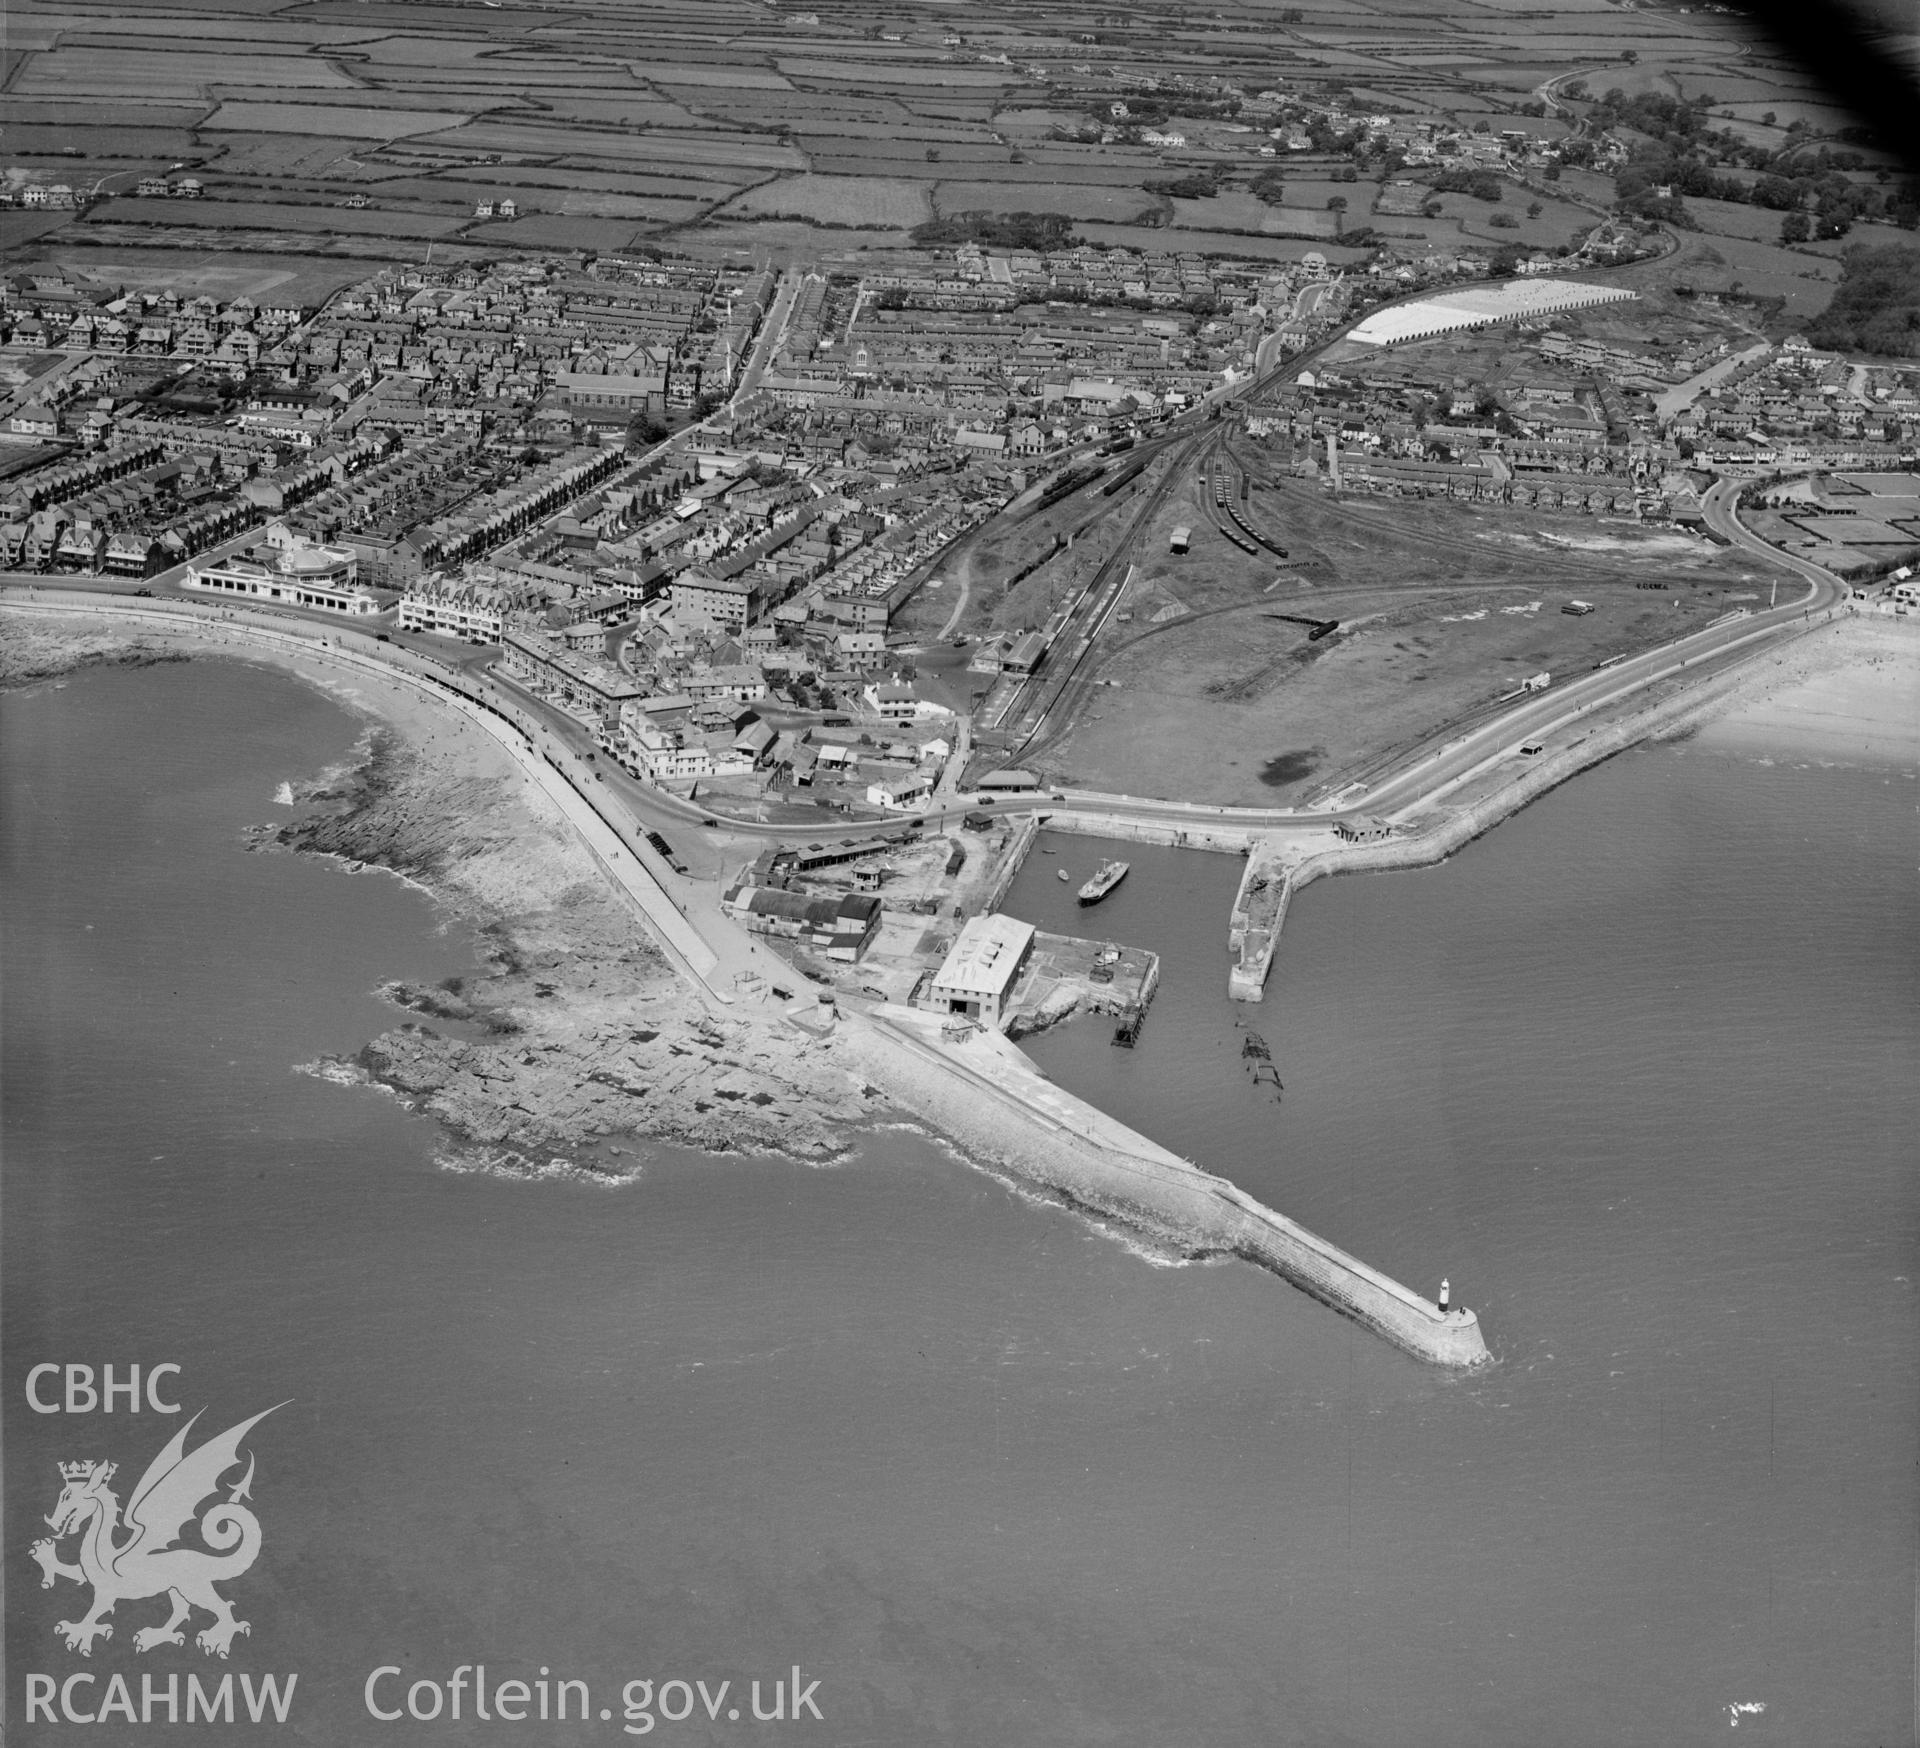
{"points": [[61, 116], [877, 77], [1027, 180], [553, 231], [554, 140], [635, 110], [1868, 236], [344, 121], [1558, 221], [1717, 264], [727, 78], [793, 108], [1316, 191], [1035, 121], [1204, 243], [1237, 210], [785, 241], [1728, 218], [269, 216], [882, 201], [552, 182], [110, 146], [1119, 205], [368, 97], [18, 227], [743, 123], [1787, 110], [552, 202], [958, 150], [299, 155], [1536, 127], [509, 74], [225, 275], [437, 52], [194, 26], [156, 73]]}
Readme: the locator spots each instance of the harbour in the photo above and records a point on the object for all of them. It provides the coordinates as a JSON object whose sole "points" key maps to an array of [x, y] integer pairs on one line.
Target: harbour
{"points": [[1591, 1047]]}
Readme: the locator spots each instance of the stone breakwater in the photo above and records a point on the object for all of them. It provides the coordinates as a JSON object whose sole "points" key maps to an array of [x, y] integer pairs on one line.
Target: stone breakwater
{"points": [[1007, 1115], [1278, 868]]}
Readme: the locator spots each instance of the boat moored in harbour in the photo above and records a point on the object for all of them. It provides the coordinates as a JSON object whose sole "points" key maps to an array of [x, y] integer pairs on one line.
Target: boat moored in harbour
{"points": [[1110, 876]]}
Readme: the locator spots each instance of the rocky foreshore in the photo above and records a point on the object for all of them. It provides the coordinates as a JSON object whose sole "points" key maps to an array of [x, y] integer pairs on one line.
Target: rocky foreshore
{"points": [[573, 1032], [30, 654]]}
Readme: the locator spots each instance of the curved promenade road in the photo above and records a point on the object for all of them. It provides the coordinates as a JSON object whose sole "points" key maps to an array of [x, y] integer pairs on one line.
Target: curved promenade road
{"points": [[1722, 507], [1425, 775], [613, 812]]}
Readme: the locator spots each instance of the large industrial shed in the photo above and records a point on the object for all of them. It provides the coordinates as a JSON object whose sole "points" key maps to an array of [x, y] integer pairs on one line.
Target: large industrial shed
{"points": [[1481, 306]]}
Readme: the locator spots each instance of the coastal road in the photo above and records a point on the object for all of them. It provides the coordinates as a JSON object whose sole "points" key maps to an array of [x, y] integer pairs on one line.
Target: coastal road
{"points": [[724, 960], [1721, 506]]}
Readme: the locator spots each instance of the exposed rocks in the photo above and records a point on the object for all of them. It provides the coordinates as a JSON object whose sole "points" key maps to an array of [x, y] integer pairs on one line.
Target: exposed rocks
{"points": [[31, 653], [575, 1029], [1060, 1003], [445, 1002], [663, 1080]]}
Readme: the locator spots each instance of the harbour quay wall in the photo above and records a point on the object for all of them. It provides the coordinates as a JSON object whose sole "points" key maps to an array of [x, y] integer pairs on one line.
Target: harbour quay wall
{"points": [[1256, 940], [1012, 860], [1223, 836], [989, 1097], [1259, 910]]}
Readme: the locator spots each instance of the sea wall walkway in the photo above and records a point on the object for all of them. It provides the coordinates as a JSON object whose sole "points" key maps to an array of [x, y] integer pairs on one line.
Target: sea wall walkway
{"points": [[1278, 866], [988, 1095], [981, 1090], [623, 862]]}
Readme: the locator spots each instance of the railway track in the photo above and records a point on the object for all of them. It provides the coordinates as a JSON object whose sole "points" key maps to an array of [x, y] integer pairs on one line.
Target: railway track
{"points": [[1228, 518], [1041, 696], [1564, 569]]}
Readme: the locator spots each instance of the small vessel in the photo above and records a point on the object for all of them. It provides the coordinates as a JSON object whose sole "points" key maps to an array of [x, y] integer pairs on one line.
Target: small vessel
{"points": [[1110, 876], [1064, 875]]}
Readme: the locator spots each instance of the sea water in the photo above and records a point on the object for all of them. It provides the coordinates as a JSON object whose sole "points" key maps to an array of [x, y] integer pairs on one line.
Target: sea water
{"points": [[1636, 1071]]}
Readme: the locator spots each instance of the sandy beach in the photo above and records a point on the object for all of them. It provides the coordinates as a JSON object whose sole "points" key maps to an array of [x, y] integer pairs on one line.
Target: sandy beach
{"points": [[1846, 694], [576, 1033]]}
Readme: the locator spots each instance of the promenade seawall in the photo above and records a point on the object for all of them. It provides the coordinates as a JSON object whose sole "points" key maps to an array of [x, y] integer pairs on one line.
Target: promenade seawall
{"points": [[985, 1093], [982, 1091], [625, 864], [1276, 871]]}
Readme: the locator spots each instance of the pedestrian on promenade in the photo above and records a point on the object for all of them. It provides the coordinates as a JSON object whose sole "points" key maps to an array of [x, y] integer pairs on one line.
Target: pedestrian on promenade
{"points": [[1446, 1291]]}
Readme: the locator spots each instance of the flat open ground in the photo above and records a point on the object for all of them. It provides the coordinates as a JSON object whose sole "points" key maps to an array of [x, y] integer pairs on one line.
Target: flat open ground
{"points": [[870, 201], [1721, 263], [302, 279], [1239, 709]]}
